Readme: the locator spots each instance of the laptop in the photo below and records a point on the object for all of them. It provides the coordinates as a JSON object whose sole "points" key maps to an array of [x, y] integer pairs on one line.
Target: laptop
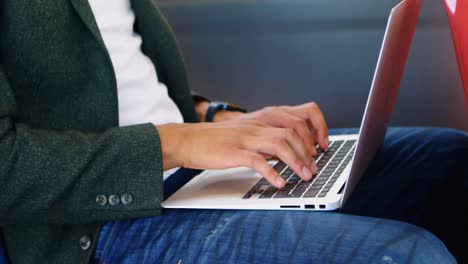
{"points": [[339, 168]]}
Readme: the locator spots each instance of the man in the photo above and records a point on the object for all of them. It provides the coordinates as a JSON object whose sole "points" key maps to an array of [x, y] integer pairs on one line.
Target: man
{"points": [[92, 99]]}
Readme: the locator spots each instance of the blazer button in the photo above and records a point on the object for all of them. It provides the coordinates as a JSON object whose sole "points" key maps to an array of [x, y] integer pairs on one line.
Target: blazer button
{"points": [[101, 199], [85, 242], [126, 199], [114, 199]]}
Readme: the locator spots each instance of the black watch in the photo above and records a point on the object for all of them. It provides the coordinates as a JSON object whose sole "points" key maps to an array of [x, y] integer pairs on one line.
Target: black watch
{"points": [[214, 107]]}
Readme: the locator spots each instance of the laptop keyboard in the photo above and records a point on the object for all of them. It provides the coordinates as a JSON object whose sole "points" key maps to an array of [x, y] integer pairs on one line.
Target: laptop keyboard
{"points": [[330, 163]]}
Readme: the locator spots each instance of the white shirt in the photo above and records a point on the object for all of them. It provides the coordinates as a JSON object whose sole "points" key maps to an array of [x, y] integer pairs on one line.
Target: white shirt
{"points": [[142, 98]]}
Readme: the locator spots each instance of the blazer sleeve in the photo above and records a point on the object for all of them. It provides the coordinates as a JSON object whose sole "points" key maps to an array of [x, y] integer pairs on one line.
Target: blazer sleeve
{"points": [[61, 177]]}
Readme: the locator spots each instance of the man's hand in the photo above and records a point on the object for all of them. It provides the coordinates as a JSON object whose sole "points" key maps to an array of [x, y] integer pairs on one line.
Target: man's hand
{"points": [[239, 142], [307, 121]]}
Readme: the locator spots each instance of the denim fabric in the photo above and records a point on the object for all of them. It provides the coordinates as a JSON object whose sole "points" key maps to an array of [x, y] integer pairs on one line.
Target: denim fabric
{"points": [[3, 257], [233, 236], [419, 176]]}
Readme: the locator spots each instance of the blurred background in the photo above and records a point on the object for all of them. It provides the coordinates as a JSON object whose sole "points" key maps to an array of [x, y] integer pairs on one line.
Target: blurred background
{"points": [[270, 52]]}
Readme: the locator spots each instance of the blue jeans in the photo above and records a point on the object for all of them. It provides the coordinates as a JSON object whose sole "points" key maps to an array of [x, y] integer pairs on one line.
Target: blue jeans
{"points": [[419, 176]]}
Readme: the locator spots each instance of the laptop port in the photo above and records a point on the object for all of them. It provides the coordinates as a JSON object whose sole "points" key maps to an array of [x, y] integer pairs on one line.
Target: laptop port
{"points": [[322, 206], [309, 206], [290, 206]]}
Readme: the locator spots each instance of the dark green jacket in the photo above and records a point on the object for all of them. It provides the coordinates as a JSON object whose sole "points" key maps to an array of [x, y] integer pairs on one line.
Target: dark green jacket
{"points": [[60, 146]]}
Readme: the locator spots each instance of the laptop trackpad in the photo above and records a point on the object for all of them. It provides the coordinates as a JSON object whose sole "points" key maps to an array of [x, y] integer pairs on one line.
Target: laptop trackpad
{"points": [[216, 184]]}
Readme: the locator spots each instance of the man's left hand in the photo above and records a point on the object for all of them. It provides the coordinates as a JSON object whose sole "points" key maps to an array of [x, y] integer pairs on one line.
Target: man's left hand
{"points": [[307, 121]]}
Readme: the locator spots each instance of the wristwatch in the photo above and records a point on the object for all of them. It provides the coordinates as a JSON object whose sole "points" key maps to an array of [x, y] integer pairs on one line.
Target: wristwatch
{"points": [[216, 106]]}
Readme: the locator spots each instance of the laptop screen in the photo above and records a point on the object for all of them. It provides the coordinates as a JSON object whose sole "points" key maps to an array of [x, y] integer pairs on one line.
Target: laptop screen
{"points": [[457, 11], [385, 85]]}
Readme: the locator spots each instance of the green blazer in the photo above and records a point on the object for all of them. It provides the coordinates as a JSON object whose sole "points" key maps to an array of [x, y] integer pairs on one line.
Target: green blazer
{"points": [[60, 144]]}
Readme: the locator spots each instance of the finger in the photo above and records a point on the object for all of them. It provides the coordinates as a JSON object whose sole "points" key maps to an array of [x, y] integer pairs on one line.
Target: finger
{"points": [[288, 120], [323, 145], [318, 124], [258, 163], [290, 157], [271, 141], [267, 156], [296, 143], [281, 148]]}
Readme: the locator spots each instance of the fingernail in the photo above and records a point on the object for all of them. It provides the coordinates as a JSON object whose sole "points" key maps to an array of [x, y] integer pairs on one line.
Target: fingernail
{"points": [[307, 173], [313, 167], [279, 182], [327, 142]]}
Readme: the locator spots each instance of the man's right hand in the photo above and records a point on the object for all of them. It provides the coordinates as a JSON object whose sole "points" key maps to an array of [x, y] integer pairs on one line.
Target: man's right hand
{"points": [[235, 143]]}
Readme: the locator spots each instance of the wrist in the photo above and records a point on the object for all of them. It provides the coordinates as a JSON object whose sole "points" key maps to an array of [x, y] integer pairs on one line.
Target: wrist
{"points": [[201, 107], [221, 111], [227, 115], [170, 136]]}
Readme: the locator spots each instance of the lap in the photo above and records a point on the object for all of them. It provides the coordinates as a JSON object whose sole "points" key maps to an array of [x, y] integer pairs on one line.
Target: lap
{"points": [[415, 167], [232, 236], [418, 176]]}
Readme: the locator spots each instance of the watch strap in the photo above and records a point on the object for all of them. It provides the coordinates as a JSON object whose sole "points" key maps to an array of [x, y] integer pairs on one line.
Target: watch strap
{"points": [[216, 106]]}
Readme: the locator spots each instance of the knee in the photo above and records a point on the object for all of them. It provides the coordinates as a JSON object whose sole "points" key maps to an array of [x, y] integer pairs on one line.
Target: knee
{"points": [[449, 146], [429, 141], [428, 135], [406, 243], [443, 137]]}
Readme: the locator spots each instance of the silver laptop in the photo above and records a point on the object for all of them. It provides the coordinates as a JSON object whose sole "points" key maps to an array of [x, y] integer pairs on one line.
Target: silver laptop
{"points": [[340, 167]]}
